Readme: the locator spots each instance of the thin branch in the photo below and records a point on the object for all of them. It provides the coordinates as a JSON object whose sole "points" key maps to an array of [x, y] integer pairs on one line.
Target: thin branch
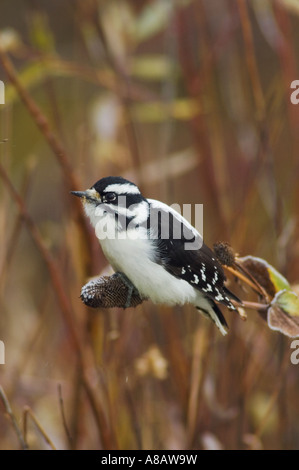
{"points": [[39, 118], [16, 231], [122, 79], [251, 59], [65, 426], [54, 143], [66, 309], [252, 278], [284, 367], [47, 257], [244, 279], [8, 409], [29, 413], [198, 369], [110, 292], [252, 305]]}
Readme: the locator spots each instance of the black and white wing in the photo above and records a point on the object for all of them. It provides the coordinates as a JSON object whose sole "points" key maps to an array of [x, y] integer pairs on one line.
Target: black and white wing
{"points": [[184, 254]]}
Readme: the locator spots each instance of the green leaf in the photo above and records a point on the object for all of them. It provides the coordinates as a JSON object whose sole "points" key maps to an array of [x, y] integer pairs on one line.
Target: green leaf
{"points": [[278, 280], [289, 302]]}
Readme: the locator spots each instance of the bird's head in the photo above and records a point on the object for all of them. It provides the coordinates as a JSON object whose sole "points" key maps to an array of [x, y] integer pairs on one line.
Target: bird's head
{"points": [[113, 195]]}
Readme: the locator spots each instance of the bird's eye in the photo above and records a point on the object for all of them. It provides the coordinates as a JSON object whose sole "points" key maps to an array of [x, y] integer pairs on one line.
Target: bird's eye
{"points": [[109, 197]]}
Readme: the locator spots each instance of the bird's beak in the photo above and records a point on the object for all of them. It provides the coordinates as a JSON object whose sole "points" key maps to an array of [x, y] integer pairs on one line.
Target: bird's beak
{"points": [[88, 195], [79, 193]]}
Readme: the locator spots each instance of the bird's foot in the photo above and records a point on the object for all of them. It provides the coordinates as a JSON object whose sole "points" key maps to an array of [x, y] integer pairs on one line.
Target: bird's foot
{"points": [[131, 288]]}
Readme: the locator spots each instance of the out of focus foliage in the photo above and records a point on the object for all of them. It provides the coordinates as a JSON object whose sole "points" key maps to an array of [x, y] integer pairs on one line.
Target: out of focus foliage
{"points": [[191, 100]]}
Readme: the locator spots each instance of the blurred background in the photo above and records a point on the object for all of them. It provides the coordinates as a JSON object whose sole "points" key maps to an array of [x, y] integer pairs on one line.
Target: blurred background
{"points": [[190, 99]]}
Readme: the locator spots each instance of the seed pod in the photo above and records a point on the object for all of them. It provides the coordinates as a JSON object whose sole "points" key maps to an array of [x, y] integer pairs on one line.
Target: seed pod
{"points": [[108, 292]]}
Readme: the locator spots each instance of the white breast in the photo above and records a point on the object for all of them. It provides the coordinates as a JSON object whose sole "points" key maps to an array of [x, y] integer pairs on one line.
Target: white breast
{"points": [[135, 259], [133, 254]]}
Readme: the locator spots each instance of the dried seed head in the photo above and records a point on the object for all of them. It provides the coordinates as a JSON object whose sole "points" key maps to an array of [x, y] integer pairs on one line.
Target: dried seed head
{"points": [[224, 253], [107, 292]]}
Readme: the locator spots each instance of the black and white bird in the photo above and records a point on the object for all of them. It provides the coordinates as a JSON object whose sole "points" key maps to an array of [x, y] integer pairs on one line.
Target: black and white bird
{"points": [[156, 250]]}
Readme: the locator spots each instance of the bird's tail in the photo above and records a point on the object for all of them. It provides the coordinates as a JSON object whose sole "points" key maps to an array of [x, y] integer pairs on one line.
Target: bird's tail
{"points": [[214, 313]]}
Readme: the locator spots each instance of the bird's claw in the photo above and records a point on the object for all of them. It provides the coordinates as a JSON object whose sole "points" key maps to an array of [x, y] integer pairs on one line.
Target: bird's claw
{"points": [[131, 288]]}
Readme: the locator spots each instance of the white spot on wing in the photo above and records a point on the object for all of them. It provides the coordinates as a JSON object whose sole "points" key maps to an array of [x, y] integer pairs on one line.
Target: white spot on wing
{"points": [[208, 288], [218, 297], [204, 278], [215, 278], [196, 280]]}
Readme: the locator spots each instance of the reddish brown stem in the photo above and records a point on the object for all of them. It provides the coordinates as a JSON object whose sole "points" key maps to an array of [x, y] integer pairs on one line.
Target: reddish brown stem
{"points": [[66, 309], [56, 146]]}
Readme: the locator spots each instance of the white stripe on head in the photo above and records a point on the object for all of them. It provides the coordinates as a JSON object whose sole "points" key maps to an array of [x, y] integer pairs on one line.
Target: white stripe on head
{"points": [[122, 188], [137, 211]]}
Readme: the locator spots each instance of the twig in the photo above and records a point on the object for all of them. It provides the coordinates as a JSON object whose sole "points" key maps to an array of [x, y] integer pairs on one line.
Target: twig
{"points": [[13, 419], [65, 426], [110, 292], [39, 118], [122, 79], [66, 309], [251, 59], [29, 347], [252, 278], [56, 146], [135, 418], [53, 270], [15, 234], [244, 279], [228, 259], [284, 367], [29, 413], [198, 369], [252, 305]]}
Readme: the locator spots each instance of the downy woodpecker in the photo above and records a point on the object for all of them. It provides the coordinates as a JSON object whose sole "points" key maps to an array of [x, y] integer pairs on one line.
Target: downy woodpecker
{"points": [[155, 250]]}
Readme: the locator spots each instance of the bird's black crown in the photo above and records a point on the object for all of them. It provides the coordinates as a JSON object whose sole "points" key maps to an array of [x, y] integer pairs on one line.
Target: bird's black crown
{"points": [[119, 187], [101, 185]]}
